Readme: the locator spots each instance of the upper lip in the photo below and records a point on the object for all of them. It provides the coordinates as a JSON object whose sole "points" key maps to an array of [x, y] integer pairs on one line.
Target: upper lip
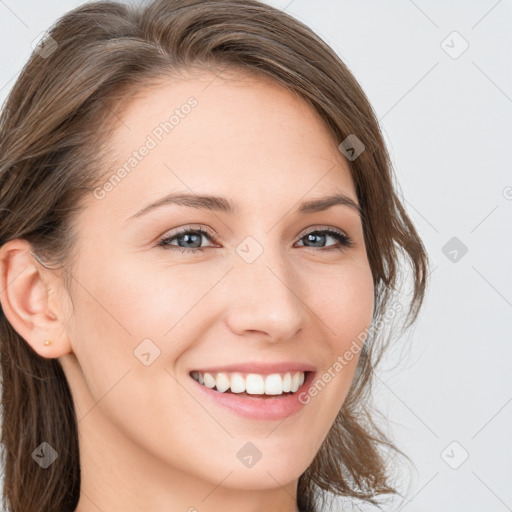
{"points": [[259, 368]]}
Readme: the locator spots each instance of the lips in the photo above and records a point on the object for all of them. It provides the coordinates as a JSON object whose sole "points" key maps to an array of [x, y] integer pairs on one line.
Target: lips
{"points": [[255, 391], [268, 399]]}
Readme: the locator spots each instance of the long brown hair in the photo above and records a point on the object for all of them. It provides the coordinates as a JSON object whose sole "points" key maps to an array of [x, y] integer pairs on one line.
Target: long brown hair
{"points": [[53, 129]]}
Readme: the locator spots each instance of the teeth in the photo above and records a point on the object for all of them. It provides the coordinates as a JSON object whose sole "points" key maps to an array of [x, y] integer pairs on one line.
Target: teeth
{"points": [[274, 384], [237, 383], [222, 382], [252, 383], [287, 383], [295, 382], [209, 381]]}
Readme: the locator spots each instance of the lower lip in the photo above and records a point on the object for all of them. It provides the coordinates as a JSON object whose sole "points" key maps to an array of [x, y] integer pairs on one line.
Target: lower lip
{"points": [[270, 408]]}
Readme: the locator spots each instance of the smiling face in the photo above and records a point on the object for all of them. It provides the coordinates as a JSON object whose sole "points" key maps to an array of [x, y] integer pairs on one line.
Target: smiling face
{"points": [[270, 292]]}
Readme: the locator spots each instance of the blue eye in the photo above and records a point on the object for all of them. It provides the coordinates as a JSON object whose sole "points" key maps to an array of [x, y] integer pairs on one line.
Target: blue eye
{"points": [[189, 240], [185, 237], [344, 240]]}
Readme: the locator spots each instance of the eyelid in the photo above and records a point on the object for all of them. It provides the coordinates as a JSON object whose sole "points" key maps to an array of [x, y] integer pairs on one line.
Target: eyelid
{"points": [[187, 228], [322, 227]]}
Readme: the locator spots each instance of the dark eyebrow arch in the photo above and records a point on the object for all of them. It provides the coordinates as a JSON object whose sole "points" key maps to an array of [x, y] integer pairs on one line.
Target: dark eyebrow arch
{"points": [[318, 205], [205, 202], [221, 204]]}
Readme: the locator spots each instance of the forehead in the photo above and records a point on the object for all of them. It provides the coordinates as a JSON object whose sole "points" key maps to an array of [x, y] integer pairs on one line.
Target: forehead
{"points": [[231, 133]]}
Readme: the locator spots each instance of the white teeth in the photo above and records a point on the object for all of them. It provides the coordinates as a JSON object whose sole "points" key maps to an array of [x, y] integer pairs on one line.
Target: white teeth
{"points": [[222, 382], [295, 382], [253, 383], [287, 383], [209, 381], [274, 384], [237, 383]]}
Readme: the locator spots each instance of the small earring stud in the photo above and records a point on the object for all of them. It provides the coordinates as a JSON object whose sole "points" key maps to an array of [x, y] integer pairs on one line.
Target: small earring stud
{"points": [[47, 342]]}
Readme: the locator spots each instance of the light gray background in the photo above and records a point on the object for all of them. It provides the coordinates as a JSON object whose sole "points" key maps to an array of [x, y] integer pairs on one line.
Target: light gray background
{"points": [[448, 125]]}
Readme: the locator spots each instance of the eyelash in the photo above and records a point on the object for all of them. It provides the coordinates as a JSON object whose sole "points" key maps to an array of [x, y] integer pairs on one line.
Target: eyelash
{"points": [[344, 240]]}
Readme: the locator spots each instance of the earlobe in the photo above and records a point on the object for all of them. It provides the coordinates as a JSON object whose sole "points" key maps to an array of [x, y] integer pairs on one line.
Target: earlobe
{"points": [[29, 302]]}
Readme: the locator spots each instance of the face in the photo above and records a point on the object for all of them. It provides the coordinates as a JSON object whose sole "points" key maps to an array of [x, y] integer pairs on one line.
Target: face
{"points": [[169, 296]]}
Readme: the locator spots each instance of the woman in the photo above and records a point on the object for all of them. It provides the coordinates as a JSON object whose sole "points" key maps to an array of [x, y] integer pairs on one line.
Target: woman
{"points": [[200, 247]]}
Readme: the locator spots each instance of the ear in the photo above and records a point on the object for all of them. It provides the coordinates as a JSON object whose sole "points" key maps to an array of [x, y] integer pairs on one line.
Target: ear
{"points": [[29, 295]]}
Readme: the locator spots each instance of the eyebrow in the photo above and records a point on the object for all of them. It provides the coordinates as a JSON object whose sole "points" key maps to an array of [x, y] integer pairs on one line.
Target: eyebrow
{"points": [[221, 204]]}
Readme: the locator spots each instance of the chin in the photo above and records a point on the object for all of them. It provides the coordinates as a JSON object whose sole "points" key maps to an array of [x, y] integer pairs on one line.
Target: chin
{"points": [[259, 478]]}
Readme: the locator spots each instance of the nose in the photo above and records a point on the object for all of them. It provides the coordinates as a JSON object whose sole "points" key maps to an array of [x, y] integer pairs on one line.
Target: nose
{"points": [[265, 300]]}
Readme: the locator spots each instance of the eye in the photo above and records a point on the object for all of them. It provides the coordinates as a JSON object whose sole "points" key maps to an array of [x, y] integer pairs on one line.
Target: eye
{"points": [[189, 240], [320, 236]]}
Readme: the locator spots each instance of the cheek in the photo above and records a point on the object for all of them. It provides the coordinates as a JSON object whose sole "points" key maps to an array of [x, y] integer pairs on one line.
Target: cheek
{"points": [[344, 300], [138, 299], [354, 319], [346, 310], [130, 307]]}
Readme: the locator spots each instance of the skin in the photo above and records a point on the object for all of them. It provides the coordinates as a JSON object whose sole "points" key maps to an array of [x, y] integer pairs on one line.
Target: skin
{"points": [[148, 440]]}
